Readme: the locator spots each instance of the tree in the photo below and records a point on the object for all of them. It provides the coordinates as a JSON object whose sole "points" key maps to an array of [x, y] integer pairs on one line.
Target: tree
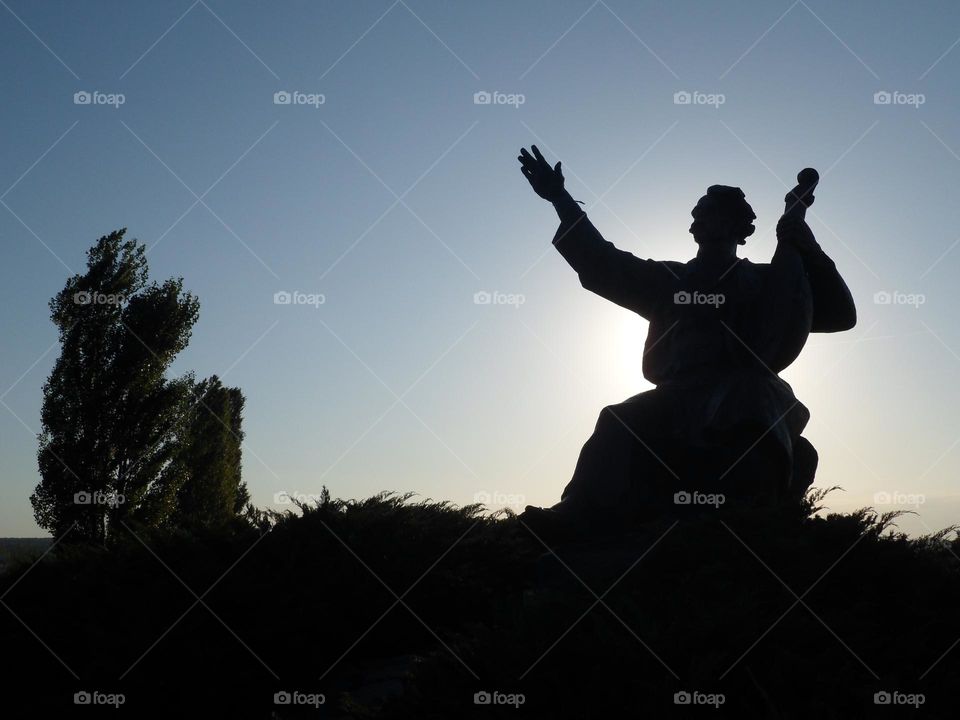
{"points": [[109, 414], [211, 491]]}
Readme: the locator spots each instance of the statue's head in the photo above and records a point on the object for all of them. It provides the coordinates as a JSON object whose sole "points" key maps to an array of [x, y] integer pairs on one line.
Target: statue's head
{"points": [[722, 215]]}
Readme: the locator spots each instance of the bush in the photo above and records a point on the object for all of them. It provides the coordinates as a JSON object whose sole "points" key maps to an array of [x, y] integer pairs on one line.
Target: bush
{"points": [[396, 608]]}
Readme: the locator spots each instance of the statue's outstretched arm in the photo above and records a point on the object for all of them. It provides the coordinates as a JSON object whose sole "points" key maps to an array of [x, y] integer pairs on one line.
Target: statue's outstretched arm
{"points": [[617, 275], [614, 274]]}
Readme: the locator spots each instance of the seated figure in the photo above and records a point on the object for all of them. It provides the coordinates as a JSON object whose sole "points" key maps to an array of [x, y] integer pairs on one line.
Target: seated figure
{"points": [[720, 421]]}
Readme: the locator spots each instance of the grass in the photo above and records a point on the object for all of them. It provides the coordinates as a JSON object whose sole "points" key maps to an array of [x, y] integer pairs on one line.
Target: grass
{"points": [[393, 607]]}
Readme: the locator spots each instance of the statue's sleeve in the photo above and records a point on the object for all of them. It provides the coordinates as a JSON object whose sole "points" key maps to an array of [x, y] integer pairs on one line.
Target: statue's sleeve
{"points": [[833, 306], [614, 274]]}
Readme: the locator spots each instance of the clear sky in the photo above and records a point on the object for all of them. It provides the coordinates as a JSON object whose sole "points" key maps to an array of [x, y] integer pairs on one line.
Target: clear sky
{"points": [[398, 198]]}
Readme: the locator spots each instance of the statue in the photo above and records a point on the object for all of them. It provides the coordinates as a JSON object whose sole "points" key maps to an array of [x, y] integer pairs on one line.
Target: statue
{"points": [[720, 425]]}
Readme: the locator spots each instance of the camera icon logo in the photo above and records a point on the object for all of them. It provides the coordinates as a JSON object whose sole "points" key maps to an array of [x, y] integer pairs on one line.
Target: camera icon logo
{"points": [[482, 298], [82, 698], [282, 97], [882, 297], [682, 97], [682, 298], [82, 498], [682, 698], [681, 498], [882, 698], [482, 98], [282, 698], [82, 98], [482, 698], [82, 298], [882, 97], [282, 298]]}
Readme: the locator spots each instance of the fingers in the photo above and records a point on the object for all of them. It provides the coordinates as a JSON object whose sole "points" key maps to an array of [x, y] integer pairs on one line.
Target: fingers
{"points": [[537, 156], [537, 164], [526, 159], [541, 160]]}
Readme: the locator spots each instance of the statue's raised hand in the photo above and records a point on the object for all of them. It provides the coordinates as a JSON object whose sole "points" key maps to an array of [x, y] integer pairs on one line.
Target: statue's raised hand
{"points": [[546, 181], [795, 231]]}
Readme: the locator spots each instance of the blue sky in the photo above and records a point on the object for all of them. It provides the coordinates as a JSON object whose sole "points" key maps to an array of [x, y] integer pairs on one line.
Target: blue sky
{"points": [[398, 198]]}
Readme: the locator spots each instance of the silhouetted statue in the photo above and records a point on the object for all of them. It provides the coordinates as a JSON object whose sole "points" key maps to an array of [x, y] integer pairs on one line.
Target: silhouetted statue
{"points": [[720, 420]]}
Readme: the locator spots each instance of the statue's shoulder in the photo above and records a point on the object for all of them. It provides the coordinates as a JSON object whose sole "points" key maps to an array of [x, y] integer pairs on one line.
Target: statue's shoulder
{"points": [[750, 276], [749, 268], [667, 271]]}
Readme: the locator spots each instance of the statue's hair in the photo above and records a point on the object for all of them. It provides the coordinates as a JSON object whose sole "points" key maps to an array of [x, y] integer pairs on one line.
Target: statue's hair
{"points": [[730, 202]]}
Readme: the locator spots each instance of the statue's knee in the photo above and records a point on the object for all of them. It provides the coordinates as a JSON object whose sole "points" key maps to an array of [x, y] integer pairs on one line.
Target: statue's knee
{"points": [[805, 460], [610, 420], [605, 416]]}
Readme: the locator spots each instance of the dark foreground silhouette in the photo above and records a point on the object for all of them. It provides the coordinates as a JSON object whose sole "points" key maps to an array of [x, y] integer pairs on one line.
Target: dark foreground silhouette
{"points": [[721, 423], [699, 609]]}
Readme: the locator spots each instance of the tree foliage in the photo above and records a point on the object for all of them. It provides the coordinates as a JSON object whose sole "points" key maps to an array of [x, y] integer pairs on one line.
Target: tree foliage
{"points": [[211, 491], [120, 442]]}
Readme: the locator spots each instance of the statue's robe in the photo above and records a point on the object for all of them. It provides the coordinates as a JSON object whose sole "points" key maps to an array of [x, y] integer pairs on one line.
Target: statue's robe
{"points": [[714, 366]]}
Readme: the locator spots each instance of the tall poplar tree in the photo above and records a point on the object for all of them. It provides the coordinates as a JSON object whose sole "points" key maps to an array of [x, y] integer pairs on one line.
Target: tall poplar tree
{"points": [[110, 415]]}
